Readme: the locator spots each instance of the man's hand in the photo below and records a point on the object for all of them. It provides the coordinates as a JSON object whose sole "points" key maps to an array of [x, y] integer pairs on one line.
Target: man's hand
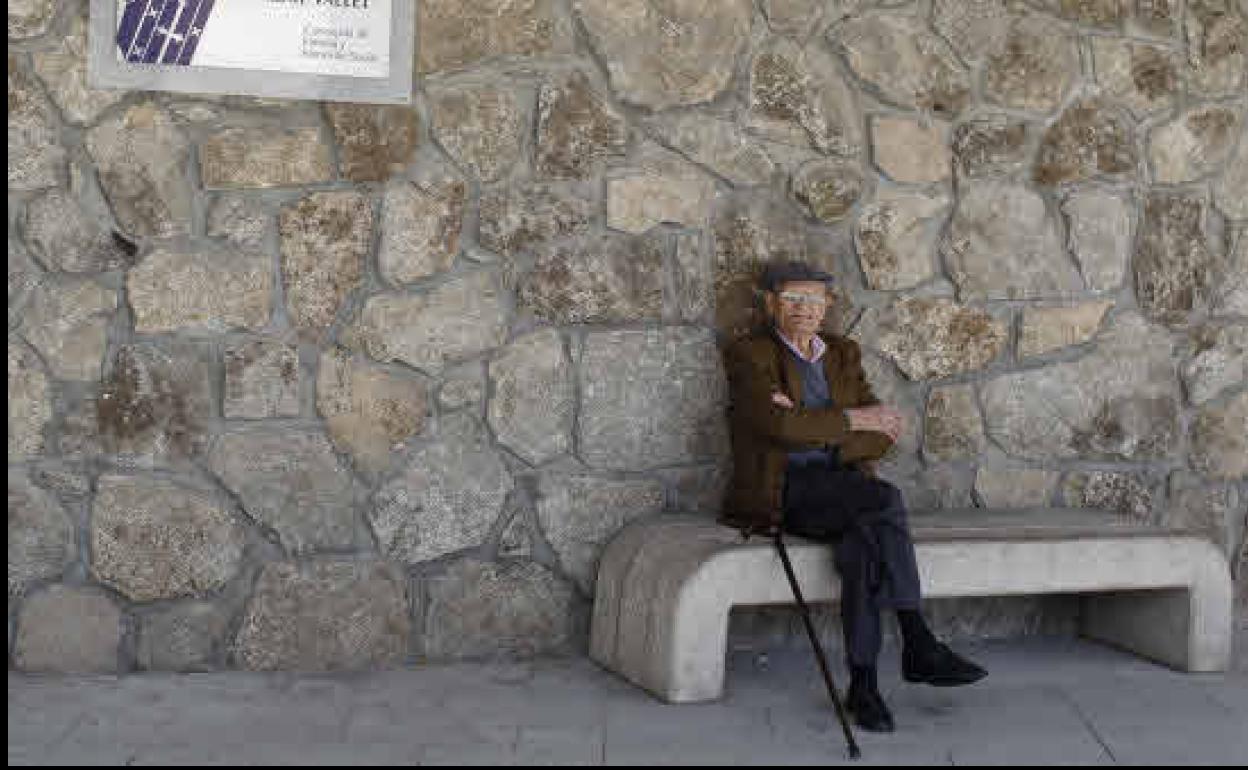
{"points": [[880, 418], [782, 400]]}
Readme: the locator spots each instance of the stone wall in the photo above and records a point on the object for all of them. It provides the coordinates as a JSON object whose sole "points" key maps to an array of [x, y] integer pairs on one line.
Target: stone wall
{"points": [[326, 386]]}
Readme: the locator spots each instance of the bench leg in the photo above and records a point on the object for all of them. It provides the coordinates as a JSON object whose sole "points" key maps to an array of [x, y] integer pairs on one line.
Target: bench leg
{"points": [[1178, 627]]}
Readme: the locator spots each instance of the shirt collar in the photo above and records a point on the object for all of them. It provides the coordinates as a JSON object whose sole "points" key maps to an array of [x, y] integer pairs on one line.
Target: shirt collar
{"points": [[817, 345]]}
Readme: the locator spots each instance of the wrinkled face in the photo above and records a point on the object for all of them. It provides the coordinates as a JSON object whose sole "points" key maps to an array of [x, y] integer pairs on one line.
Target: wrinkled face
{"points": [[798, 307]]}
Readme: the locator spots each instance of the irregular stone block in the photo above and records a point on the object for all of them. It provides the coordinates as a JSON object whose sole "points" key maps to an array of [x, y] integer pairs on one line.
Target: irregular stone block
{"points": [[375, 141], [798, 96], [141, 157], [65, 237], [1217, 46], [1014, 487], [325, 616], [1143, 77], [30, 18], [895, 238], [828, 188], [1196, 143], [153, 539], [30, 402], [36, 157], [975, 28], [1097, 13], [515, 219], [641, 200], [610, 277], [1120, 401], [455, 33], [1089, 139], [698, 490], [952, 426], [68, 630], [1220, 439], [992, 145], [325, 238], [481, 126], [175, 290], [448, 498], [184, 637], [369, 411], [911, 67], [420, 228], [1098, 228], [716, 144], [933, 338], [910, 151], [487, 610], [289, 480], [64, 70], [264, 157], [261, 380], [1045, 329], [651, 398], [1173, 262], [42, 537], [531, 411], [451, 321], [695, 291], [576, 128], [24, 275], [1220, 363], [463, 387], [580, 514], [240, 222], [67, 322], [667, 53], [1231, 294], [1228, 191], [1126, 493], [1034, 67], [1002, 244]]}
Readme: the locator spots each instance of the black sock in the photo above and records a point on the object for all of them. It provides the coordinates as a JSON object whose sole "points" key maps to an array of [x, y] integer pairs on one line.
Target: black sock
{"points": [[914, 631], [862, 678]]}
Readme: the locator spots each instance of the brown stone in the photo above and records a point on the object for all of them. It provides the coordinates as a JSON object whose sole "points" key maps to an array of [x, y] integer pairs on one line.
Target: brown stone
{"points": [[154, 404], [420, 227], [1220, 439], [375, 141], [369, 411], [1089, 139], [798, 96], [1036, 65], [325, 237], [518, 218], [1173, 263], [828, 188], [611, 277], [989, 146], [952, 426], [257, 157], [1126, 493], [456, 33], [895, 239], [481, 126], [1196, 143], [1142, 76], [934, 338], [1217, 45], [912, 67], [576, 128], [261, 380]]}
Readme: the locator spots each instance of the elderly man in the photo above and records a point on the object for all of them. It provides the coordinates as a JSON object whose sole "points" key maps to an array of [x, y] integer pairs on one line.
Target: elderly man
{"points": [[806, 432]]}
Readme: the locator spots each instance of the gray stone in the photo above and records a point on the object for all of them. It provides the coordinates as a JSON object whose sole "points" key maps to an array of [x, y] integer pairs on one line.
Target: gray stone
{"points": [[24, 275], [65, 237], [698, 490], [952, 426], [911, 151], [935, 488], [175, 290], [481, 126], [68, 630], [717, 144], [184, 637], [890, 387], [1014, 487], [30, 402], [1220, 363], [580, 514], [238, 220], [30, 18], [1220, 439], [67, 322], [64, 70], [651, 398], [374, 141], [1228, 190], [1120, 401], [42, 538], [906, 62], [639, 199], [1096, 13], [515, 219], [154, 405], [1143, 77], [454, 320], [420, 227], [1217, 49], [611, 277], [1002, 244], [975, 28], [991, 145], [36, 157], [1098, 228], [1173, 262], [1216, 511], [517, 538], [895, 238], [448, 498], [369, 411], [750, 230], [695, 291], [325, 238], [1196, 143], [1231, 295], [1045, 329], [455, 33], [828, 188], [1033, 68], [793, 17], [261, 380], [481, 609], [576, 128], [934, 338], [325, 616], [153, 539], [463, 387], [1157, 17], [798, 96], [142, 158], [531, 409], [668, 52], [1090, 139], [289, 480], [1129, 494], [264, 157]]}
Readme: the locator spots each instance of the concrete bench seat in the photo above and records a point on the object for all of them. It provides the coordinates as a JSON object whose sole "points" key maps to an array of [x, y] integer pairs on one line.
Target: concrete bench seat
{"points": [[666, 585]]}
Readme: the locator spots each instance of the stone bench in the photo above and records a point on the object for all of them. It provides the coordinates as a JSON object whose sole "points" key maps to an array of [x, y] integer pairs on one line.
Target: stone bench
{"points": [[666, 585]]}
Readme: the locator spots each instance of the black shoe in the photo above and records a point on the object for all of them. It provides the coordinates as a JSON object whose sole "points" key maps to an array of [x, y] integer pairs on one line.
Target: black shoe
{"points": [[937, 665], [868, 709]]}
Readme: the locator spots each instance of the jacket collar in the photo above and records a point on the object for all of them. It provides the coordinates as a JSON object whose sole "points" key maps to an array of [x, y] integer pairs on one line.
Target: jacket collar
{"points": [[788, 365]]}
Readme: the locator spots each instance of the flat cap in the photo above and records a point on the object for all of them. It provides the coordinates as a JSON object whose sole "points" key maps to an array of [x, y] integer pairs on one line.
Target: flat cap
{"points": [[777, 274]]}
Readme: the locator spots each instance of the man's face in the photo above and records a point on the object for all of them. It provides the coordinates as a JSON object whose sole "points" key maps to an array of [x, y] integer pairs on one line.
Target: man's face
{"points": [[798, 307]]}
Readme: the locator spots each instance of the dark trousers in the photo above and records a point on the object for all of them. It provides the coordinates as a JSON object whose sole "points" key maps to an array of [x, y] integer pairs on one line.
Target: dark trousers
{"points": [[864, 520]]}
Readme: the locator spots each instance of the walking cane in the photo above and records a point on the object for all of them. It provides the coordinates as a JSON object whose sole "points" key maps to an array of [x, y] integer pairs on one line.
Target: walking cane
{"points": [[854, 751]]}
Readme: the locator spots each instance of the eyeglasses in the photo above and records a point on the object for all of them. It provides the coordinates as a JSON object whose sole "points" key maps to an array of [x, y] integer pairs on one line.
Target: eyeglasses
{"points": [[800, 298]]}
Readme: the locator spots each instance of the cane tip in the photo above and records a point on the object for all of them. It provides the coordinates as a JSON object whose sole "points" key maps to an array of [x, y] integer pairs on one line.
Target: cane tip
{"points": [[855, 752]]}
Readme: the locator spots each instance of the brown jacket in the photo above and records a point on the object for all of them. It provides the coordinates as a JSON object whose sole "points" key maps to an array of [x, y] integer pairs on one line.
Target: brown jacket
{"points": [[763, 433]]}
